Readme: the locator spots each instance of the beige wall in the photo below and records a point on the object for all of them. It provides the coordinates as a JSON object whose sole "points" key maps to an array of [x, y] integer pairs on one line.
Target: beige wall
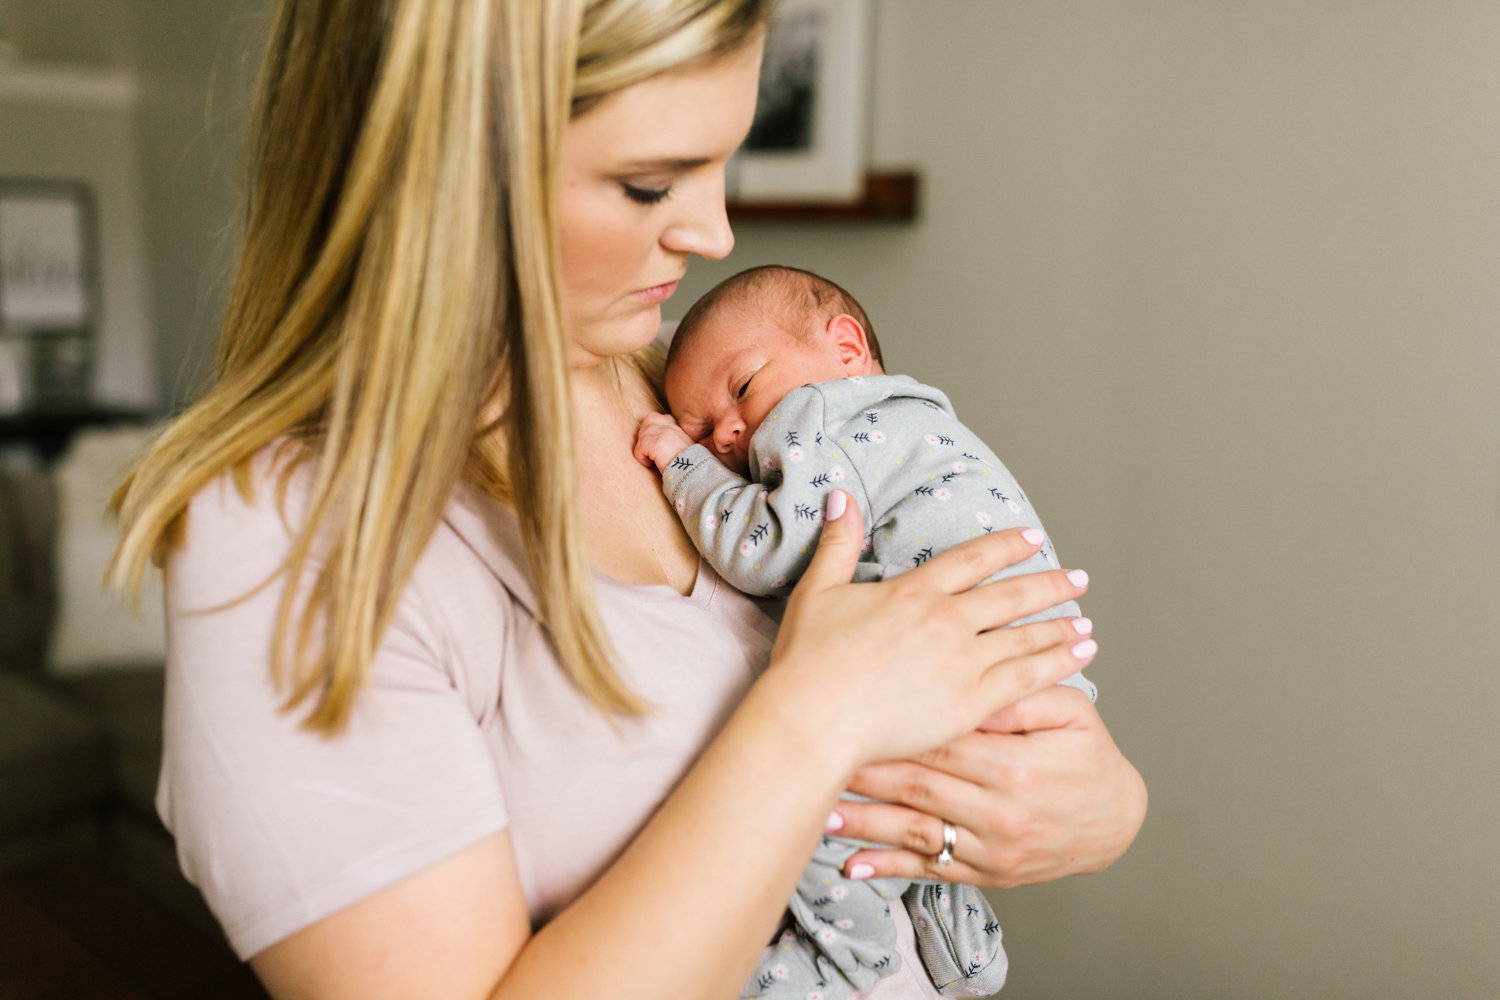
{"points": [[1220, 283]]}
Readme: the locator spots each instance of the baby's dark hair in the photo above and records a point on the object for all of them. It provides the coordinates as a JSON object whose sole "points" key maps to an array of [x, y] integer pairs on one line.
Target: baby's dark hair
{"points": [[793, 292]]}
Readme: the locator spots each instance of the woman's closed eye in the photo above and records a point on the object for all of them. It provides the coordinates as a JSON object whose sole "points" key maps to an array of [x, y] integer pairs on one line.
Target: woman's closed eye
{"points": [[645, 195]]}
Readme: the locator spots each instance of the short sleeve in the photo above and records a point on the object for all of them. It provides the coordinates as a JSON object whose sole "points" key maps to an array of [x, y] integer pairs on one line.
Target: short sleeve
{"points": [[280, 827]]}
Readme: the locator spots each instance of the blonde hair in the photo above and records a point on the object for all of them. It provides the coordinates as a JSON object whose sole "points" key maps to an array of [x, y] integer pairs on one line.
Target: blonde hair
{"points": [[400, 275]]}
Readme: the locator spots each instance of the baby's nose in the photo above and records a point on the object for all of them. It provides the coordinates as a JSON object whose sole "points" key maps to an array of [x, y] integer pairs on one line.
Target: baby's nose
{"points": [[727, 432]]}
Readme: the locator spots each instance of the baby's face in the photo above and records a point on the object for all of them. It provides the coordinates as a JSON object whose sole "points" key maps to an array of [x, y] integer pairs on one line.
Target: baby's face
{"points": [[740, 364]]}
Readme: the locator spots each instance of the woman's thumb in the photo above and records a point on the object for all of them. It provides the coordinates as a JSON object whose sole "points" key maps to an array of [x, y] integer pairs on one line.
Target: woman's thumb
{"points": [[840, 544]]}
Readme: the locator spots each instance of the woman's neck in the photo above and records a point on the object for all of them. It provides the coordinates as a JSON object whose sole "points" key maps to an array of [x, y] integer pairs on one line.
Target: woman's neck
{"points": [[634, 536]]}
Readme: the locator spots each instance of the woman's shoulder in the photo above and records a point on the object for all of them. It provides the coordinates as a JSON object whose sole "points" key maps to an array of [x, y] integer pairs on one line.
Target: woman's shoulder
{"points": [[240, 528]]}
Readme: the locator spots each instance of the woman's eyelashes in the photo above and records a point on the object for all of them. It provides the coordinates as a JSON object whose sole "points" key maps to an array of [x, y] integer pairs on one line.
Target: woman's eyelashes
{"points": [[645, 195]]}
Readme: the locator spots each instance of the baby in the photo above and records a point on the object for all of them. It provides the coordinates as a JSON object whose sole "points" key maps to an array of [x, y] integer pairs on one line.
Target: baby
{"points": [[776, 382]]}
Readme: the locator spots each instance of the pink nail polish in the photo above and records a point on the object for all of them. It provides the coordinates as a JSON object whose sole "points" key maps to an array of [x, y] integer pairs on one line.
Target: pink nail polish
{"points": [[835, 822], [838, 501], [1034, 535], [1078, 578], [1085, 649], [1083, 626], [861, 871]]}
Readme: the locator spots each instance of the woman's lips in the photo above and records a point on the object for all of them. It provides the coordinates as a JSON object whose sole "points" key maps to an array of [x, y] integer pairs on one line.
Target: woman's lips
{"points": [[659, 293]]}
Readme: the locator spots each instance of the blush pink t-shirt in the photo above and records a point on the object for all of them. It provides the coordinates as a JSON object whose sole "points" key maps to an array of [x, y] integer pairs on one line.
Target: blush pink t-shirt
{"points": [[467, 725]]}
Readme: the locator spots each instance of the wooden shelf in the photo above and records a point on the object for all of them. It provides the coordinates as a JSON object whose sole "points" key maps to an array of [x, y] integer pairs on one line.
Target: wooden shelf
{"points": [[890, 196]]}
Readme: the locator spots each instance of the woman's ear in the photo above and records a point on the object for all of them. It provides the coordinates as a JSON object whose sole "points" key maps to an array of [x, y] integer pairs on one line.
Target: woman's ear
{"points": [[848, 339]]}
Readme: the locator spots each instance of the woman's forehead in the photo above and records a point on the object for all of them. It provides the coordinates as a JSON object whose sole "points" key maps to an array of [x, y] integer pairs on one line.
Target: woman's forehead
{"points": [[673, 121]]}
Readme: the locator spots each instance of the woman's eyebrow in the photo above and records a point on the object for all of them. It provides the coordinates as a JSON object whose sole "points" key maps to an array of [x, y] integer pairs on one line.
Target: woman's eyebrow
{"points": [[674, 164]]}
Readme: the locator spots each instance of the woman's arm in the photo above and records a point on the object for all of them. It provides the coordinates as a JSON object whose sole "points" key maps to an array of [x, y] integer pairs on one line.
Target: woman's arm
{"points": [[1039, 793], [860, 673]]}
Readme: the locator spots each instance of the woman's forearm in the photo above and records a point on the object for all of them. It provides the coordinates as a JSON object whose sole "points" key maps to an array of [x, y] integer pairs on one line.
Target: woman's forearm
{"points": [[686, 910]]}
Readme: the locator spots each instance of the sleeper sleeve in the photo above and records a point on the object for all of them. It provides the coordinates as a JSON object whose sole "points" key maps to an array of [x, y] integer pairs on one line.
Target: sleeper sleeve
{"points": [[761, 535]]}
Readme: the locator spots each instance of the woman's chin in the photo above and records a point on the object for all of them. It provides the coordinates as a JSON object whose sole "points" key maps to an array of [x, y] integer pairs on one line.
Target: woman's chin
{"points": [[615, 336]]}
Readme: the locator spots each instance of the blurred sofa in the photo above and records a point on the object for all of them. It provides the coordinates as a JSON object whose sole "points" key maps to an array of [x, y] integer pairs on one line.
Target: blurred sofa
{"points": [[79, 748]]}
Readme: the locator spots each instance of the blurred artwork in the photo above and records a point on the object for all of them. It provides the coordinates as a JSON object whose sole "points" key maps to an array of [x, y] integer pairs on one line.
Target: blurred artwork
{"points": [[788, 85], [46, 295], [808, 139], [42, 268]]}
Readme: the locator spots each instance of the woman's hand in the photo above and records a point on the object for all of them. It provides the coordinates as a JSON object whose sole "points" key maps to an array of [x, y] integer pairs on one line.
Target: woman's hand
{"points": [[893, 669], [1040, 792]]}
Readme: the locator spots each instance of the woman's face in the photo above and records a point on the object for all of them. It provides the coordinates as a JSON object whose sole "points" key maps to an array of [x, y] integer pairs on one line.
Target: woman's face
{"points": [[642, 189]]}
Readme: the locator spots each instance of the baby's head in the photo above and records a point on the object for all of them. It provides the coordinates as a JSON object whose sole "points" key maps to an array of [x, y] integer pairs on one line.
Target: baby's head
{"points": [[752, 340]]}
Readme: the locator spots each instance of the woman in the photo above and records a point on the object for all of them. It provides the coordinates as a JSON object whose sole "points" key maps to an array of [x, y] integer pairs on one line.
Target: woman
{"points": [[507, 736]]}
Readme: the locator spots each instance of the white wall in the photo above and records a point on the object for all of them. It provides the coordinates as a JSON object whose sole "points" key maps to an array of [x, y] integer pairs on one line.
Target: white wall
{"points": [[1219, 283]]}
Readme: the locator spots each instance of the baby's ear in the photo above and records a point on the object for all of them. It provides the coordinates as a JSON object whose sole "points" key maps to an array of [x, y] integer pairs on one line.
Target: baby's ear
{"points": [[853, 347]]}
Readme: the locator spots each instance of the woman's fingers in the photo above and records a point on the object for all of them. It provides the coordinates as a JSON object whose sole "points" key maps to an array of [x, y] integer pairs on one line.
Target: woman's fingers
{"points": [[1003, 644], [915, 839], [965, 565], [998, 604], [839, 545], [1015, 677]]}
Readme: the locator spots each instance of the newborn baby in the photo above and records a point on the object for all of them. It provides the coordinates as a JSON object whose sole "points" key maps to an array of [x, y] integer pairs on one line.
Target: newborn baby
{"points": [[776, 383]]}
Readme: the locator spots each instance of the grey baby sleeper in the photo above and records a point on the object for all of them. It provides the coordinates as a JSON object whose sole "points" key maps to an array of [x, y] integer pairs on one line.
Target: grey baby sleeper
{"points": [[923, 482]]}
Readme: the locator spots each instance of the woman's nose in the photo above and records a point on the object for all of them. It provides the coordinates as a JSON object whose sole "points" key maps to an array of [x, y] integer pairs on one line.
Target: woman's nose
{"points": [[702, 227]]}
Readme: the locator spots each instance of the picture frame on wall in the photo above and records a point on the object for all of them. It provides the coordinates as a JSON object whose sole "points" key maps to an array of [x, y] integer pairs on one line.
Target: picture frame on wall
{"points": [[49, 298], [808, 142]]}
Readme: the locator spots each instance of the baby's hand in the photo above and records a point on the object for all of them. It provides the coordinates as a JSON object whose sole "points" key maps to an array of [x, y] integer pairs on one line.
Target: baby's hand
{"points": [[659, 441]]}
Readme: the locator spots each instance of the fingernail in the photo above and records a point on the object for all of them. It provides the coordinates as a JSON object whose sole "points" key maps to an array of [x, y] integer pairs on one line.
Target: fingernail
{"points": [[1034, 535], [1085, 649], [1078, 577], [861, 871], [1083, 626], [838, 501], [835, 822]]}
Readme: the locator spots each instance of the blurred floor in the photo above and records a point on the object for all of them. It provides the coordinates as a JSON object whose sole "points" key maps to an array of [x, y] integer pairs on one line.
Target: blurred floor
{"points": [[74, 930]]}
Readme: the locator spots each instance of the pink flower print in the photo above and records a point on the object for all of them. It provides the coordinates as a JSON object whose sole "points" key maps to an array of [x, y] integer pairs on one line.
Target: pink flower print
{"points": [[838, 892], [836, 473], [944, 901], [877, 438], [787, 937], [746, 548], [681, 506], [844, 925], [815, 995], [909, 564], [869, 544], [886, 394], [857, 379], [826, 935], [983, 519], [769, 463], [943, 493], [960, 468], [780, 971], [734, 492], [795, 454], [1015, 508], [781, 582], [977, 958], [712, 521], [931, 439]]}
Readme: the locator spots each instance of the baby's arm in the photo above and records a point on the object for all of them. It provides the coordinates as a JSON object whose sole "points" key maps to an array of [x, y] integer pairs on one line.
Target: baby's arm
{"points": [[759, 536]]}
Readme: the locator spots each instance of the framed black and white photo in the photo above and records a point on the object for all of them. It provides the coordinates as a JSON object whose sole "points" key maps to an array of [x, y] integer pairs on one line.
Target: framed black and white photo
{"points": [[48, 293], [808, 140]]}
